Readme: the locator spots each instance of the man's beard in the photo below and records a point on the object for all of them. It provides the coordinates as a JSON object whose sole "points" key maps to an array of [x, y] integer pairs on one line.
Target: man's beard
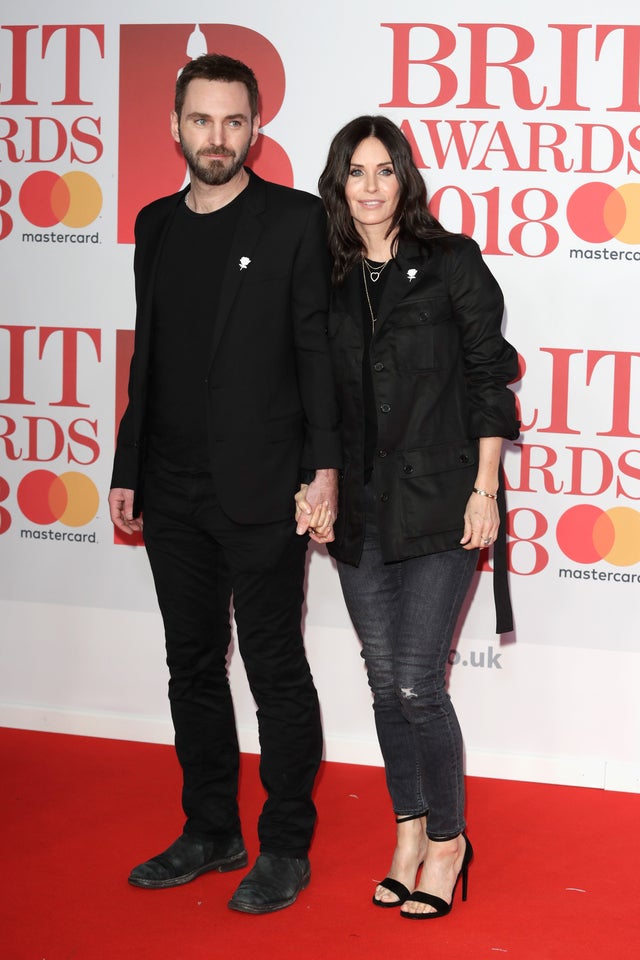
{"points": [[214, 172]]}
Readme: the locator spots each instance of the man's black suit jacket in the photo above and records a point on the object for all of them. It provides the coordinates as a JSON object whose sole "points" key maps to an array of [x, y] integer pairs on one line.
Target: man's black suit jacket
{"points": [[269, 387]]}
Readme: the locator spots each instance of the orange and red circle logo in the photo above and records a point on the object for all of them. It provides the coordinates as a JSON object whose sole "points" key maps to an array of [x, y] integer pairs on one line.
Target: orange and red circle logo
{"points": [[71, 498], [598, 212], [74, 199], [586, 534]]}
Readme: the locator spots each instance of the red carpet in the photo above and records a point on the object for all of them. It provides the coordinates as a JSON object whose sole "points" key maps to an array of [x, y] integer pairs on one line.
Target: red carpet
{"points": [[555, 875]]}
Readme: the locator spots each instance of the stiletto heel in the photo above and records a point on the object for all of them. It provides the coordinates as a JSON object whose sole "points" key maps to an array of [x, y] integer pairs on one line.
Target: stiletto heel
{"points": [[394, 886], [464, 870], [440, 907]]}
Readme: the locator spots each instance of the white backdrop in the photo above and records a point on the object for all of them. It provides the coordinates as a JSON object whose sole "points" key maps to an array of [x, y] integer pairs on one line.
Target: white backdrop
{"points": [[527, 127]]}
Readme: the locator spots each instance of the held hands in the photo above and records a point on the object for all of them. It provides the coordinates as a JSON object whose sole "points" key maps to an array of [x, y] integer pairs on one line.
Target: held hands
{"points": [[317, 506], [121, 510], [481, 522]]}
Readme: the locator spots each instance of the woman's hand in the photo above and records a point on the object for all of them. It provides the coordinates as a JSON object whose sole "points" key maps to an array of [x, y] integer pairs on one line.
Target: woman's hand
{"points": [[317, 522], [481, 522]]}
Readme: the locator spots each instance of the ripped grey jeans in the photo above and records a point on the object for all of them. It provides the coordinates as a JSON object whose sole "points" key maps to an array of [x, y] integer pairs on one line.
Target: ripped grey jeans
{"points": [[405, 614]]}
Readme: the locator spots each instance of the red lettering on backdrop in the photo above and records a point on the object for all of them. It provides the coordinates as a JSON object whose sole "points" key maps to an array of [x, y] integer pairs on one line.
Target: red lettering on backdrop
{"points": [[72, 49], [19, 61], [70, 336], [46, 440], [527, 466], [540, 553], [628, 470], [59, 137], [16, 365], [577, 471], [456, 139], [6, 221], [150, 163], [10, 450], [479, 65], [559, 390], [35, 440], [634, 143], [621, 405], [568, 65], [72, 37], [501, 144], [82, 136], [537, 145], [630, 63], [402, 63], [12, 129], [83, 440], [617, 148], [621, 400]]}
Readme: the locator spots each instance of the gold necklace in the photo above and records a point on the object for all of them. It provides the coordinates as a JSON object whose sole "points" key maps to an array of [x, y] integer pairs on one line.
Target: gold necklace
{"points": [[366, 292], [374, 272]]}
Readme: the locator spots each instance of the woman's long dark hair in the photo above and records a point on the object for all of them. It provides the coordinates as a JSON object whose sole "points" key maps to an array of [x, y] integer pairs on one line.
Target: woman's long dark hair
{"points": [[411, 218]]}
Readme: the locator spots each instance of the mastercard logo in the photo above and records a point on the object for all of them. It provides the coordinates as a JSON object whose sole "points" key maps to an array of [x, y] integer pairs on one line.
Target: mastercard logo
{"points": [[72, 498], [74, 199], [586, 534], [598, 212]]}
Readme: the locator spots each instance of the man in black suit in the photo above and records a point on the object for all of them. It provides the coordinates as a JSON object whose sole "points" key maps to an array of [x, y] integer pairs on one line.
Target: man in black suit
{"points": [[231, 405]]}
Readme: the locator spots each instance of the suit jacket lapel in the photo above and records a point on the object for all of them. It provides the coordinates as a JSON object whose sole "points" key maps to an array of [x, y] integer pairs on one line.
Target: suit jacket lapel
{"points": [[153, 243]]}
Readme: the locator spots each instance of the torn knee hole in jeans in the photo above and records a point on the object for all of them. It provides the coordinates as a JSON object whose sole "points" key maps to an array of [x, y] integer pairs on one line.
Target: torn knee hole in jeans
{"points": [[408, 693]]}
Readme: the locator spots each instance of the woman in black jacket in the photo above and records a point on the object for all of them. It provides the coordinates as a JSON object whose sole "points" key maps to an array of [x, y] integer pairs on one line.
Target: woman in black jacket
{"points": [[422, 371]]}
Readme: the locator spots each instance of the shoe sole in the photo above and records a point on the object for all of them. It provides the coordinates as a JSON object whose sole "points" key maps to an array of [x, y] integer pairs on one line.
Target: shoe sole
{"points": [[224, 865], [243, 907]]}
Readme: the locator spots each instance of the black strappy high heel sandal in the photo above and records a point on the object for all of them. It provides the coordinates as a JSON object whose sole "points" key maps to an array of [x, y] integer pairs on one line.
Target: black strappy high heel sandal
{"points": [[441, 907], [394, 886]]}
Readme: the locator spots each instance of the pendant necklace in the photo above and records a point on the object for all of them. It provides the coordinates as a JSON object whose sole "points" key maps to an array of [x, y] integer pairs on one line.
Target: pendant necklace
{"points": [[366, 291], [374, 271]]}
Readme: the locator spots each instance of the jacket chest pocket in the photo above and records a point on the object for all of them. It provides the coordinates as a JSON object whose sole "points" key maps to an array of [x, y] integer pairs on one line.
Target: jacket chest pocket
{"points": [[418, 330]]}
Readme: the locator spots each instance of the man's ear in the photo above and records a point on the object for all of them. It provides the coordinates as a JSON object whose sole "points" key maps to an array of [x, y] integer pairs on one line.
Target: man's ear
{"points": [[175, 126], [255, 128]]}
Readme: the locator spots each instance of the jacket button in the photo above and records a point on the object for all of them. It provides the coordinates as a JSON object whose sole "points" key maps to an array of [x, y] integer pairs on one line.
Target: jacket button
{"points": [[382, 453], [464, 458], [384, 497], [385, 407], [378, 366], [340, 474], [408, 468]]}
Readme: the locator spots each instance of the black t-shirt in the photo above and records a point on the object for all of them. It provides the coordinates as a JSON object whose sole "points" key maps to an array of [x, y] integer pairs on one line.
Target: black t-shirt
{"points": [[186, 296], [375, 291]]}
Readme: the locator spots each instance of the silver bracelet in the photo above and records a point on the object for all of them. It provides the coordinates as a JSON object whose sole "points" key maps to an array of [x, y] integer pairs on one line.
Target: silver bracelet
{"points": [[485, 493]]}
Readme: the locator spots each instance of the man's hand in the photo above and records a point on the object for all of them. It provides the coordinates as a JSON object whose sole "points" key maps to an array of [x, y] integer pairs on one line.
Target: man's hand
{"points": [[121, 510], [317, 506]]}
